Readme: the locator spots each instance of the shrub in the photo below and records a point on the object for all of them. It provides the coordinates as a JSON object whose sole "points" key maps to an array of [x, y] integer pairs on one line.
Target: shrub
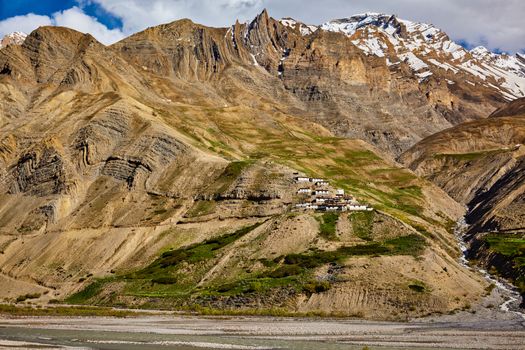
{"points": [[24, 297], [418, 286], [316, 287], [164, 280], [285, 271]]}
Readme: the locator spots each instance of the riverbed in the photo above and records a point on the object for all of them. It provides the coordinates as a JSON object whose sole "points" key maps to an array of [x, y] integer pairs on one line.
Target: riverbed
{"points": [[185, 332]]}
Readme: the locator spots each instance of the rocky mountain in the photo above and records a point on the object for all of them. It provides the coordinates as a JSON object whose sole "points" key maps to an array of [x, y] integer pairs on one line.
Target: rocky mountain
{"points": [[430, 52], [481, 164], [15, 38], [159, 171]]}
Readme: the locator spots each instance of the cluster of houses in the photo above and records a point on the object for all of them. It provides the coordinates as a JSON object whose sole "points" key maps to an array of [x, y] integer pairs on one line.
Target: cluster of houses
{"points": [[318, 196]]}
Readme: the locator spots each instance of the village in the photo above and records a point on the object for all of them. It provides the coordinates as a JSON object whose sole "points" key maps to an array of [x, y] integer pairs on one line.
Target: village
{"points": [[317, 195]]}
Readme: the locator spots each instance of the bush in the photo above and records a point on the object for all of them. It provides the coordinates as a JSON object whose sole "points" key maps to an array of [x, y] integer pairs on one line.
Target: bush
{"points": [[418, 287], [285, 271], [24, 297], [164, 280], [316, 287]]}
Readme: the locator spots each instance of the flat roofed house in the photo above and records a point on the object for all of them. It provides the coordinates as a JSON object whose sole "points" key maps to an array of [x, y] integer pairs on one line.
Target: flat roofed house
{"points": [[302, 179], [358, 208], [333, 208], [340, 192], [322, 183], [321, 200], [320, 191], [304, 191]]}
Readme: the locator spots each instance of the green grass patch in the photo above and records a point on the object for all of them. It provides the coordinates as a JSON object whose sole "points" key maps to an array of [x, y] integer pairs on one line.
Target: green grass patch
{"points": [[509, 245], [87, 293], [230, 173], [506, 244], [200, 251], [407, 245], [12, 310], [163, 277], [327, 225], [362, 224], [201, 208]]}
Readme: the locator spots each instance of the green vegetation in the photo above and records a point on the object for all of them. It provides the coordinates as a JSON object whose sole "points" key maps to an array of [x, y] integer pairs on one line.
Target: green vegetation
{"points": [[13, 310], [362, 224], [327, 225], [407, 245], [176, 273], [198, 252], [507, 244], [24, 297], [201, 208], [163, 277], [418, 286], [346, 163], [230, 174], [511, 246], [87, 293]]}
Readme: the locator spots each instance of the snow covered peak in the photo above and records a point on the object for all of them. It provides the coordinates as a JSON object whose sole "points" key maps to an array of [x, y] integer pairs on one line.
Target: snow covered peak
{"points": [[429, 51], [16, 38], [351, 24], [480, 52], [305, 29]]}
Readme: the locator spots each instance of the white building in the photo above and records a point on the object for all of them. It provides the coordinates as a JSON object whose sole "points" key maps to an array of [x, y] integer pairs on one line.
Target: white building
{"points": [[358, 208], [304, 191], [302, 179], [322, 183], [318, 192], [340, 192]]}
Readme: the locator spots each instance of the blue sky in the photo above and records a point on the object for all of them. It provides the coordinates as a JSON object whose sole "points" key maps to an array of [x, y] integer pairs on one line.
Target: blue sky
{"points": [[11, 8], [496, 24]]}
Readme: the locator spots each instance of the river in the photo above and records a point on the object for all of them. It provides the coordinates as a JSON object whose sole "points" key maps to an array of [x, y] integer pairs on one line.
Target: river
{"points": [[513, 297]]}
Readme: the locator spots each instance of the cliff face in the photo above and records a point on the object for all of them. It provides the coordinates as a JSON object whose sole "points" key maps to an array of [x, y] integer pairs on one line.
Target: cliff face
{"points": [[318, 73]]}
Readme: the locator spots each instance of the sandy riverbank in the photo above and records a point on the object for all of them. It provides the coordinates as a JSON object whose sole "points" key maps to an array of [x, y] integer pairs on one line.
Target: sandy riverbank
{"points": [[185, 332]]}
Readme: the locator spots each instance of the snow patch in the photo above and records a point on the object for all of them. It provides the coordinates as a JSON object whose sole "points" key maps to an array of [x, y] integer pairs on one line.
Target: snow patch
{"points": [[413, 61]]}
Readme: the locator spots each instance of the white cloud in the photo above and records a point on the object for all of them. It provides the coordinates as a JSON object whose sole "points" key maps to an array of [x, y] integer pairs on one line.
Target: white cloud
{"points": [[137, 14], [498, 24], [73, 18], [76, 19], [25, 24]]}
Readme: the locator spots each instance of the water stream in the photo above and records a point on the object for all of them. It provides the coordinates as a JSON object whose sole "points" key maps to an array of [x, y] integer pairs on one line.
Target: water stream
{"points": [[512, 303]]}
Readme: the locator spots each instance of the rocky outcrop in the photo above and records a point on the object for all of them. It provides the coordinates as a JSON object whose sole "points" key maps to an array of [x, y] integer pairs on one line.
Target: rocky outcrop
{"points": [[39, 173]]}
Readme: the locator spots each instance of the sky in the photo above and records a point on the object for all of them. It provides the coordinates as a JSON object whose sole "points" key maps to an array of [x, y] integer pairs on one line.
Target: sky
{"points": [[495, 24]]}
